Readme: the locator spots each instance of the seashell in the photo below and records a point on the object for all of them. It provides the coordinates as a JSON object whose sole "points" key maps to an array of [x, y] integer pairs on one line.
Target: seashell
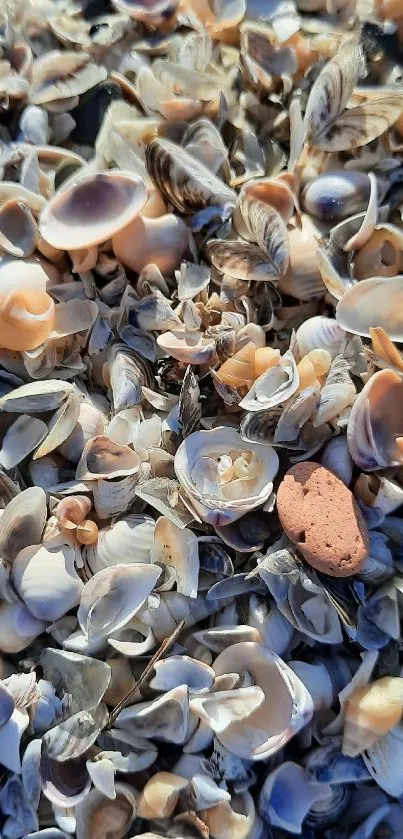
{"points": [[162, 241], [337, 393], [127, 540], [288, 795], [378, 567], [160, 795], [376, 408], [183, 181], [49, 707], [188, 347], [102, 774], [35, 564], [122, 681], [178, 550], [18, 230], [113, 497], [182, 670], [61, 425], [154, 313], [337, 458], [380, 493], [165, 718], [36, 397], [100, 614], [275, 630], [90, 423], [71, 738], [335, 195], [370, 303], [102, 458], [242, 260], [92, 209], [192, 280], [18, 627], [83, 679], [26, 319], [371, 712], [64, 784], [303, 279], [274, 386], [381, 255], [21, 439], [96, 812], [239, 371], [322, 332], [222, 487], [165, 611], [128, 373], [72, 510], [227, 820], [22, 522], [382, 760], [62, 76], [262, 734]]}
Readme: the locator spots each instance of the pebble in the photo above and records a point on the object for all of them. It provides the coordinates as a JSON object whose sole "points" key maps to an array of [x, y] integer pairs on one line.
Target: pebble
{"points": [[322, 519]]}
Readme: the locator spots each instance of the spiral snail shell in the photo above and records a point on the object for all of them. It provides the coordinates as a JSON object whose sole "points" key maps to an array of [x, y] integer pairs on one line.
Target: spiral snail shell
{"points": [[26, 319]]}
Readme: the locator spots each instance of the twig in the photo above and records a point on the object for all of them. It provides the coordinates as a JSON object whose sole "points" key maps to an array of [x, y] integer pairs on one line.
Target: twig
{"points": [[146, 672]]}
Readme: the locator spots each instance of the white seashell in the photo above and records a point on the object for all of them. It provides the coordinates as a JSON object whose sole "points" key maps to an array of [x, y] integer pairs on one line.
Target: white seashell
{"points": [[84, 679], [178, 550], [102, 774], [370, 712], [190, 347], [96, 813], [337, 394], [199, 464], [47, 581], [337, 458], [18, 628], [233, 820], [165, 718], [111, 598], [264, 732], [218, 638], [373, 431], [127, 540], [124, 426], [10, 738], [373, 302], [36, 397], [111, 498], [320, 332], [22, 522], [74, 736], [222, 709], [21, 439], [90, 423], [61, 425], [102, 458], [274, 386], [182, 670]]}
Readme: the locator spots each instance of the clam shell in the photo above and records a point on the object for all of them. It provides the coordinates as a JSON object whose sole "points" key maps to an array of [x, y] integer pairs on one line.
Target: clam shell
{"points": [[128, 373], [22, 522], [96, 810], [370, 303], [61, 592], [373, 431], [18, 230], [92, 209], [127, 540], [102, 458]]}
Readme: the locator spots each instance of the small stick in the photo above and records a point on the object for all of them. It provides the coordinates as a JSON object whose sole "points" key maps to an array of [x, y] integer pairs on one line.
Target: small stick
{"points": [[146, 672]]}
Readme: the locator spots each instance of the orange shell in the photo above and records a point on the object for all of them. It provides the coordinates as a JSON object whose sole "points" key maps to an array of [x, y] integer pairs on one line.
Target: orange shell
{"points": [[27, 317], [239, 370]]}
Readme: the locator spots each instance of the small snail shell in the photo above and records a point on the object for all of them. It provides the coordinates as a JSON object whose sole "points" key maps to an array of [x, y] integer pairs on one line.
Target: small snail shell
{"points": [[72, 510], [239, 371], [265, 357], [26, 319], [87, 532], [307, 374]]}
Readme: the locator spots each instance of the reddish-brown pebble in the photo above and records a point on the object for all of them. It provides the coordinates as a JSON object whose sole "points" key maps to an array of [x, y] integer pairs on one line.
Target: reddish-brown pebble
{"points": [[321, 517]]}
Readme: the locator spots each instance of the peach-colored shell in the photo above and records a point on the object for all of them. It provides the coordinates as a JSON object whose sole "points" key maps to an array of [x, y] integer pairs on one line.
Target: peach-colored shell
{"points": [[72, 510], [92, 209], [27, 318]]}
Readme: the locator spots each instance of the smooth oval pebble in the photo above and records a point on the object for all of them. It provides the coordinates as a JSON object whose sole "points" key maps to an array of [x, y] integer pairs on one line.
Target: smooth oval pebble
{"points": [[322, 519]]}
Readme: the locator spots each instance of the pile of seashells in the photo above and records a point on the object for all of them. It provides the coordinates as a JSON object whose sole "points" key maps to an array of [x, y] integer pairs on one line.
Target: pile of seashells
{"points": [[201, 287]]}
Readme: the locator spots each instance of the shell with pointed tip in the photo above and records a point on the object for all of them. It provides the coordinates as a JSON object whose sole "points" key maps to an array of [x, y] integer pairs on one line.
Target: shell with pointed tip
{"points": [[165, 718], [371, 712], [375, 423], [27, 317], [223, 477], [286, 708], [92, 209], [160, 795], [46, 580]]}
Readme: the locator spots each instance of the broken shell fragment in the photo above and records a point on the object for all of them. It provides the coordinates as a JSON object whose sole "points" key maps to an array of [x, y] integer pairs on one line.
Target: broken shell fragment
{"points": [[26, 319], [371, 712]]}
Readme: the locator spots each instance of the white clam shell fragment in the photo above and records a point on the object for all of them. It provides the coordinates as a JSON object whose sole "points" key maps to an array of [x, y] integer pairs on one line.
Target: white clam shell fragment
{"points": [[320, 332], [223, 476], [384, 761], [182, 670], [18, 627], [22, 522], [128, 540], [178, 550], [46, 580], [274, 386], [286, 708], [165, 718], [92, 209], [373, 302]]}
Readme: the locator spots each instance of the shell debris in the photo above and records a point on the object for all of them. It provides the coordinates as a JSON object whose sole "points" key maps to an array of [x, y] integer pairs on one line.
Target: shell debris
{"points": [[201, 419]]}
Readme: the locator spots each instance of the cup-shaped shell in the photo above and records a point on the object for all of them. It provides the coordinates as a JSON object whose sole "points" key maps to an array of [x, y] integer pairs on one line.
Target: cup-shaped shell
{"points": [[371, 711], [303, 279], [92, 209], [47, 581], [382, 255], [26, 319], [374, 431], [375, 302], [161, 241], [18, 230], [98, 815], [18, 627], [336, 195], [102, 458], [90, 423], [223, 476]]}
